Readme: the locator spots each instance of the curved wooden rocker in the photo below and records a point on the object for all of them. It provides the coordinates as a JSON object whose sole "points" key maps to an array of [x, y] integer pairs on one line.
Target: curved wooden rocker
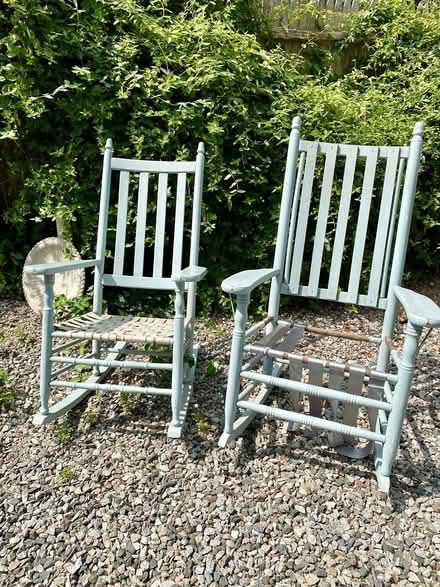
{"points": [[114, 337], [342, 180]]}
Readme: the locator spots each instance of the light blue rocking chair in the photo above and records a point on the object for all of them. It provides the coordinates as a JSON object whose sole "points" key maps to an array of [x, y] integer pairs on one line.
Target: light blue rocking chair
{"points": [[114, 337], [344, 180]]}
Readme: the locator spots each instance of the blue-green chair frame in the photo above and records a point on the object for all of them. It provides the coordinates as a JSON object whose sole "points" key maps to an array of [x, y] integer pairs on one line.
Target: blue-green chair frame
{"points": [[114, 337]]}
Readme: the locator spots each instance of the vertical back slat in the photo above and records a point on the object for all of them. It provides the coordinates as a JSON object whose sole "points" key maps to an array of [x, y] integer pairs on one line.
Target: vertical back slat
{"points": [[293, 215], [331, 152], [141, 221], [355, 384], [303, 216], [335, 380], [392, 224], [383, 225], [295, 369], [179, 222], [295, 399], [159, 241], [121, 223], [315, 378], [344, 209], [197, 206], [362, 223]]}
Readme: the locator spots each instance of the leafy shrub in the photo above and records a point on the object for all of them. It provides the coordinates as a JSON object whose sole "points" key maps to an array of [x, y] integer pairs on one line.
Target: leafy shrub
{"points": [[7, 395], [395, 85], [65, 308], [157, 84], [66, 474], [158, 80]]}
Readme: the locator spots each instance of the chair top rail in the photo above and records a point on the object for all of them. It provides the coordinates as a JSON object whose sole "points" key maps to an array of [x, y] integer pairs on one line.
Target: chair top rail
{"points": [[346, 149], [139, 166]]}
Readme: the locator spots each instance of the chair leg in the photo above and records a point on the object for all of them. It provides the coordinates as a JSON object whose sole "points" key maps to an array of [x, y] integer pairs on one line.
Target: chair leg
{"points": [[400, 400], [175, 427], [46, 344], [233, 386], [188, 378]]}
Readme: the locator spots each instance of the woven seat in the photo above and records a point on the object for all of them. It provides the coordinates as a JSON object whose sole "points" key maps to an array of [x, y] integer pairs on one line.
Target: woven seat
{"points": [[151, 197], [117, 328]]}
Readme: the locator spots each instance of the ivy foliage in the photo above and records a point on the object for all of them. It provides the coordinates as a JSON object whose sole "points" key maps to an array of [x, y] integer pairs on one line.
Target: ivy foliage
{"points": [[157, 83], [158, 78]]}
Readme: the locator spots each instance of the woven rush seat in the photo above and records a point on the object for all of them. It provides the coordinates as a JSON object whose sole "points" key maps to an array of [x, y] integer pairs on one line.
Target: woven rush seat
{"points": [[132, 329]]}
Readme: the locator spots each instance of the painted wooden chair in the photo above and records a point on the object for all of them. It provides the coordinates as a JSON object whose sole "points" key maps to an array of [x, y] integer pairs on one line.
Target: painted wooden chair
{"points": [[365, 193], [114, 338]]}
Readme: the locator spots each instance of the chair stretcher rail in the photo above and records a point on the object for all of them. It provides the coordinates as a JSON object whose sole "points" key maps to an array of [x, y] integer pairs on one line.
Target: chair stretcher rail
{"points": [[331, 332], [341, 334], [69, 365], [327, 365], [311, 421], [317, 391], [270, 338], [257, 327], [112, 364], [111, 387]]}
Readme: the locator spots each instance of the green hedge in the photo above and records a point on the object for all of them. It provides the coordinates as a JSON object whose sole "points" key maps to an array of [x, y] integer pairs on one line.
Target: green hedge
{"points": [[157, 82]]}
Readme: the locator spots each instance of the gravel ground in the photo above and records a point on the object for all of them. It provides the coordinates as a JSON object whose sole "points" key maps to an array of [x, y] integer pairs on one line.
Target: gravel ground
{"points": [[103, 498]]}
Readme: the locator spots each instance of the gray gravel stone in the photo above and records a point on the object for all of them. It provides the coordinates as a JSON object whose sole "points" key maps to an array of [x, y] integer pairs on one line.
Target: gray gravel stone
{"points": [[276, 509]]}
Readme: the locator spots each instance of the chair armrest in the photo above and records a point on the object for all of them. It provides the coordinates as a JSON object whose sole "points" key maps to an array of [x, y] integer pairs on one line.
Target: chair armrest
{"points": [[51, 268], [246, 281], [421, 311], [191, 273]]}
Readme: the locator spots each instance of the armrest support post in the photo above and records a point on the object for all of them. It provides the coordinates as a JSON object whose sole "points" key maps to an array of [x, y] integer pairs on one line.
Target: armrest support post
{"points": [[238, 336], [400, 397]]}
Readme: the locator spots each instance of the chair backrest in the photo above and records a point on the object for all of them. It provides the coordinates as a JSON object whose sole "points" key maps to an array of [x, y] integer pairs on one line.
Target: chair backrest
{"points": [[344, 220], [154, 199]]}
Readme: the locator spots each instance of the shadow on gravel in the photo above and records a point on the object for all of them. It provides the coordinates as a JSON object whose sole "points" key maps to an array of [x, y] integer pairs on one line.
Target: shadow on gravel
{"points": [[410, 481], [425, 476]]}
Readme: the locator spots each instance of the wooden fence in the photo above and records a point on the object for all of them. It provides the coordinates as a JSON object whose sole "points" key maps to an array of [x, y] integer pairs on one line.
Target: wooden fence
{"points": [[299, 20]]}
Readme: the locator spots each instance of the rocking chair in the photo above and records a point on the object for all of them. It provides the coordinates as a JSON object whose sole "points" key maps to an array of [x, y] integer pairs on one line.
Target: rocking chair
{"points": [[365, 193], [113, 337]]}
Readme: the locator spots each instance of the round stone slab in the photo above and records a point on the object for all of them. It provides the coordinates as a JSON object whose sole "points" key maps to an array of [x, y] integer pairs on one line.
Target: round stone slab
{"points": [[70, 283]]}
